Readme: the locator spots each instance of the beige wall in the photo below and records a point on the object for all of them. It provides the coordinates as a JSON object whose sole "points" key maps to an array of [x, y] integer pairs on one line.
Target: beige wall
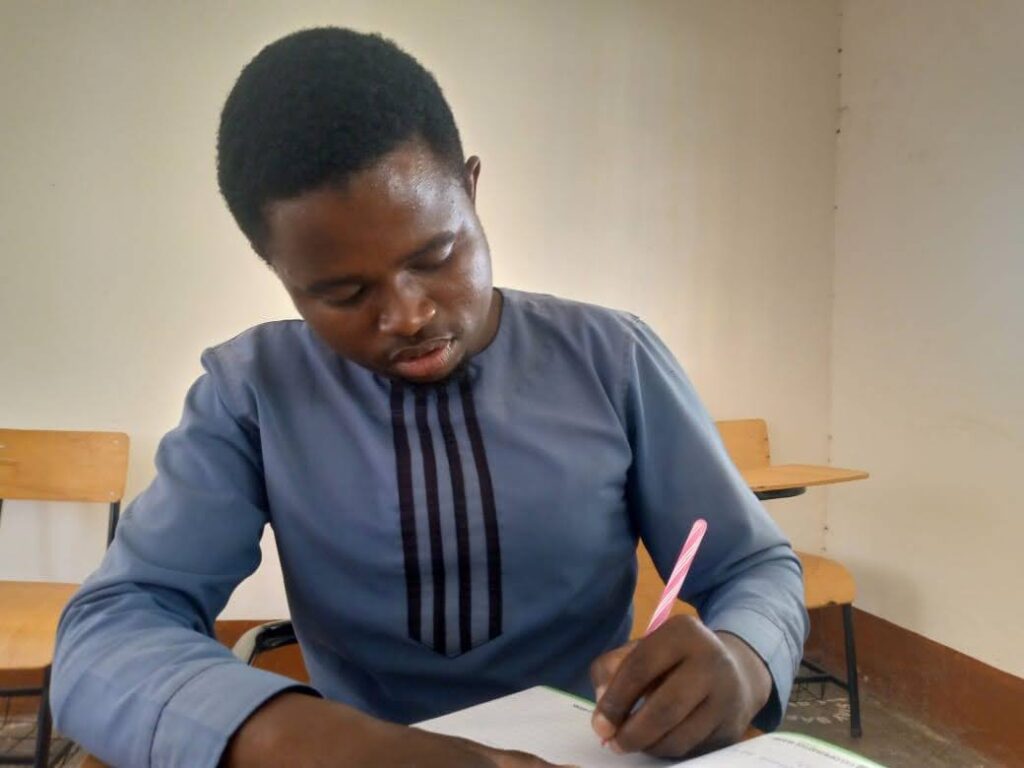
{"points": [[929, 318], [672, 158]]}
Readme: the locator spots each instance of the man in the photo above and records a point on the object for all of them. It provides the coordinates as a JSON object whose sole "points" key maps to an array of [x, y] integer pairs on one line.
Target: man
{"points": [[456, 477]]}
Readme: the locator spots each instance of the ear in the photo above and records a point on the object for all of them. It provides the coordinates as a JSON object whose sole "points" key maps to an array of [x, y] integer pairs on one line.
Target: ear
{"points": [[470, 176]]}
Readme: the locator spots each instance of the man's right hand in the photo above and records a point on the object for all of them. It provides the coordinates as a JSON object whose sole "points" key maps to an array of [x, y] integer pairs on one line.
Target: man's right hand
{"points": [[299, 730]]}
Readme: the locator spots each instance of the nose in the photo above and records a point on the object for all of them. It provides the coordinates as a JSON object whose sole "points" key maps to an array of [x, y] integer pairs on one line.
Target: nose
{"points": [[405, 311]]}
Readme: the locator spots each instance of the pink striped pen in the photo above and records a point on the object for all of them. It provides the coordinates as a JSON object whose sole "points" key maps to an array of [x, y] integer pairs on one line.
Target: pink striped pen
{"points": [[675, 581], [673, 585]]}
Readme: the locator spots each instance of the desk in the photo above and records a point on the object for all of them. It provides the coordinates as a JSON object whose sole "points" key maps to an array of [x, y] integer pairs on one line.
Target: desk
{"points": [[780, 481]]}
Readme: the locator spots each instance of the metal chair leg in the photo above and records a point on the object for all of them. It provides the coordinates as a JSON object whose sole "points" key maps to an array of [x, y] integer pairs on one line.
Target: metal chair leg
{"points": [[44, 725], [852, 683]]}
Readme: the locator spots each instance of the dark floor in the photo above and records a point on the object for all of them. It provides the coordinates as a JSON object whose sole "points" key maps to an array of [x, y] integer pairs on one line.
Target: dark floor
{"points": [[889, 737], [894, 740], [18, 735]]}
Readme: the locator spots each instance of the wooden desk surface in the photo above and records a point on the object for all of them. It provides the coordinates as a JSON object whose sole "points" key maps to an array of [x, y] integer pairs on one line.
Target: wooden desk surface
{"points": [[780, 477], [29, 612]]}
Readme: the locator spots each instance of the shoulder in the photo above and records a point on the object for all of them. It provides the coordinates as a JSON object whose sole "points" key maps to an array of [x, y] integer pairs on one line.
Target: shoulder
{"points": [[272, 338], [267, 358], [560, 340], [611, 341], [584, 337], [267, 343], [576, 322]]}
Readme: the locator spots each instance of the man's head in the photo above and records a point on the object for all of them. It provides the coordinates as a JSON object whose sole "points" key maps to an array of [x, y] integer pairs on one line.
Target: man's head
{"points": [[341, 162]]}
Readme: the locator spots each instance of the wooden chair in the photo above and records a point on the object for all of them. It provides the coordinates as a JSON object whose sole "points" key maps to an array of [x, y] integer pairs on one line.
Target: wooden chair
{"points": [[45, 465], [826, 582]]}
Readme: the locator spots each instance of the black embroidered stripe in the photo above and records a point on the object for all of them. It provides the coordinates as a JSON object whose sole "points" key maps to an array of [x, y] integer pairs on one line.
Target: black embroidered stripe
{"points": [[451, 447], [434, 521], [406, 506], [490, 515]]}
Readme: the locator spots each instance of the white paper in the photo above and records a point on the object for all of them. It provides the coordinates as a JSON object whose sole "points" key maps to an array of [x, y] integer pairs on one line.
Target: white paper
{"points": [[556, 726]]}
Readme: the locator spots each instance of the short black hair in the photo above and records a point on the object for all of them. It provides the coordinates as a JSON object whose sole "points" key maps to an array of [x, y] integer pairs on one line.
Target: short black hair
{"points": [[317, 106]]}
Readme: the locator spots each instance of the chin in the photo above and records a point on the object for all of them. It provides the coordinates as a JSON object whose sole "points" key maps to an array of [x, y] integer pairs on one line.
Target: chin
{"points": [[453, 374]]}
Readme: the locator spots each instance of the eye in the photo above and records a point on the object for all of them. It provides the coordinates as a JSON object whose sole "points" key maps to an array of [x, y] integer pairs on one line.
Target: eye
{"points": [[352, 299], [434, 261]]}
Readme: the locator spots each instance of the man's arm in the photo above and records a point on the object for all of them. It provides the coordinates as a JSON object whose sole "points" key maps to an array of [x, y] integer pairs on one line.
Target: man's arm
{"points": [[138, 678], [746, 581], [300, 731]]}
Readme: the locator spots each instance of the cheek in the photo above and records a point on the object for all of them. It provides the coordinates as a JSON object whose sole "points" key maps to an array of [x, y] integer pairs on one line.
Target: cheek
{"points": [[470, 287], [343, 334], [479, 270]]}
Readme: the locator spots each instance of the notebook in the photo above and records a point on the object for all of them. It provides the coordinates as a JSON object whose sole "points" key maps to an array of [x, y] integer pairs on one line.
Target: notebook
{"points": [[556, 726]]}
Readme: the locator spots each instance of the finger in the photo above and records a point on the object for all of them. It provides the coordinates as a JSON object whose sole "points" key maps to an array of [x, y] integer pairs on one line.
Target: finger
{"points": [[640, 670], [665, 707], [602, 671], [690, 735], [604, 667]]}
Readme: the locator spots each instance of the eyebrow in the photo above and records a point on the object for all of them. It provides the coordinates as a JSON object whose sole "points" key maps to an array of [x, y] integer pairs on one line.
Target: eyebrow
{"points": [[440, 240]]}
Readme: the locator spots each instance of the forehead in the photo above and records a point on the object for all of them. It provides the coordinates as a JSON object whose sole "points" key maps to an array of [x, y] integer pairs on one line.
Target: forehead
{"points": [[394, 205]]}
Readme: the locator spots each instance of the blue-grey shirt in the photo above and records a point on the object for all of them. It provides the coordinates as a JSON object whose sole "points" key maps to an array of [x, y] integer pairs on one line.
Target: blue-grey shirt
{"points": [[441, 545]]}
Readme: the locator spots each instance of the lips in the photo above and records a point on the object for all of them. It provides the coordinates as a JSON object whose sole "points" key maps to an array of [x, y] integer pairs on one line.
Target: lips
{"points": [[426, 361], [420, 350]]}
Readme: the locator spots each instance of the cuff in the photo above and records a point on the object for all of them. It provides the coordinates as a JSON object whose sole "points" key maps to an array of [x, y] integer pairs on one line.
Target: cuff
{"points": [[199, 719], [772, 644]]}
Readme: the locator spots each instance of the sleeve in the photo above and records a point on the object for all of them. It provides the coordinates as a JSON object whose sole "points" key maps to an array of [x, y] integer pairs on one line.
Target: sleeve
{"points": [[138, 679], [746, 579]]}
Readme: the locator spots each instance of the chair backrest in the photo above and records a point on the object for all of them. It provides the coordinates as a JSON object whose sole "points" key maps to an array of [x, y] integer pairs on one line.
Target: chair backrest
{"points": [[52, 465], [746, 440]]}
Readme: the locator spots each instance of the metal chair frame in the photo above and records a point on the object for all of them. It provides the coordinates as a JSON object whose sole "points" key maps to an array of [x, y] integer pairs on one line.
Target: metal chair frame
{"points": [[44, 718], [850, 684], [263, 638]]}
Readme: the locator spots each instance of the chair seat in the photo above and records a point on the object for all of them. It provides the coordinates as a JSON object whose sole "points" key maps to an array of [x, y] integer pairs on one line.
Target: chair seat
{"points": [[826, 582], [29, 612]]}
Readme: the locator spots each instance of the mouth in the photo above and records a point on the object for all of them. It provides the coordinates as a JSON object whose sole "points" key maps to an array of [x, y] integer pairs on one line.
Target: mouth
{"points": [[424, 362]]}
